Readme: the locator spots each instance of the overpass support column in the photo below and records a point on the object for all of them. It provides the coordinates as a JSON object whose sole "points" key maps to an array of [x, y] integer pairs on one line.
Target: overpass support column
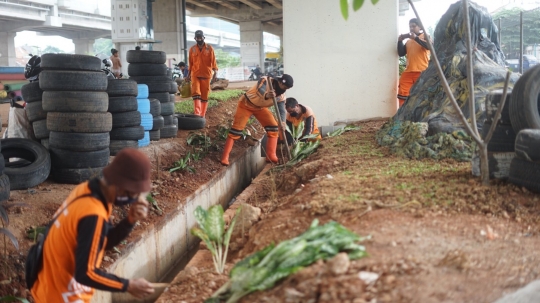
{"points": [[251, 43], [169, 29], [7, 49], [84, 46]]}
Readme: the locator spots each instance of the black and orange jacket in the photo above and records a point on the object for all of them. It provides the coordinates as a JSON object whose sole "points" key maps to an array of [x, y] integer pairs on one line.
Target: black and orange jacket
{"points": [[255, 95], [202, 61], [74, 248], [308, 117], [417, 52]]}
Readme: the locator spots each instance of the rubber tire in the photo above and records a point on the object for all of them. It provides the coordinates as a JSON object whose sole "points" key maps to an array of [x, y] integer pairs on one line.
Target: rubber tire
{"points": [[168, 131], [144, 79], [157, 87], [45, 143], [4, 188], [154, 135], [35, 112], [76, 175], [70, 62], [75, 101], [493, 100], [40, 129], [122, 87], [528, 145], [79, 142], [147, 69], [122, 104], [143, 91], [525, 173], [2, 165], [524, 102], [118, 145], [173, 88], [144, 56], [172, 98], [162, 97], [168, 120], [126, 119], [33, 174], [190, 122], [157, 123], [175, 121], [60, 80], [127, 133], [143, 106], [31, 92], [62, 158], [503, 139], [147, 121], [167, 109], [144, 141], [80, 122], [155, 107]]}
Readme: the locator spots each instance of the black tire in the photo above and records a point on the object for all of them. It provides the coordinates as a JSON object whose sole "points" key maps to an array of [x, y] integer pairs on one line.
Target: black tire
{"points": [[493, 99], [79, 142], [31, 92], [76, 175], [144, 79], [524, 102], [144, 56], [172, 98], [40, 129], [33, 174], [4, 188], [168, 131], [126, 119], [155, 107], [70, 62], [168, 120], [2, 165], [127, 133], [528, 145], [122, 104], [525, 173], [162, 97], [173, 88], [147, 69], [175, 121], [35, 112], [45, 143], [118, 145], [503, 139], [75, 101], [60, 80], [158, 123], [158, 87], [154, 135], [79, 122], [122, 87], [62, 158], [190, 122], [167, 109]]}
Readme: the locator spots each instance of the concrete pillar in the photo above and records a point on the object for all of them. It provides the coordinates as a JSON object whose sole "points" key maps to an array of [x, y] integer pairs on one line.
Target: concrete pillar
{"points": [[168, 28], [251, 43], [84, 46], [7, 49], [348, 69]]}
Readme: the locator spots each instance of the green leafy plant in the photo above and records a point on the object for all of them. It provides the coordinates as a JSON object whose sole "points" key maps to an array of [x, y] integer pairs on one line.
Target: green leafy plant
{"points": [[186, 106], [212, 232], [222, 132], [342, 130], [302, 147], [183, 164], [263, 269], [4, 219], [153, 202], [13, 299], [356, 4]]}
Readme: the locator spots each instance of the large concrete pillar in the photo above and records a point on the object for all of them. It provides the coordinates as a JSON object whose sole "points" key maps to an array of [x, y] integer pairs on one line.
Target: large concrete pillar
{"points": [[343, 69], [251, 43], [7, 49], [84, 46], [168, 28]]}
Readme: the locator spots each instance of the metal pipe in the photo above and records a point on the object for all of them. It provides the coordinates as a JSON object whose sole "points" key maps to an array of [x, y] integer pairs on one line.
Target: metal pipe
{"points": [[521, 42], [499, 33], [184, 27], [26, 6]]}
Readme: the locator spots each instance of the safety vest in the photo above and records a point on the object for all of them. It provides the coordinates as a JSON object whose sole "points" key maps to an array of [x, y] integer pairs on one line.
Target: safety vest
{"points": [[255, 95]]}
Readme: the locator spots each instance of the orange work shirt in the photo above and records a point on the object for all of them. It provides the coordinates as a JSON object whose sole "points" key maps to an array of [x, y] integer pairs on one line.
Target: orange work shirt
{"points": [[417, 55], [308, 117], [202, 61], [255, 95]]}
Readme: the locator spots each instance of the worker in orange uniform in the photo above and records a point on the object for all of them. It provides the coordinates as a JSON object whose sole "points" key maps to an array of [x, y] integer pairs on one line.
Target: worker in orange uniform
{"points": [[82, 231], [298, 113], [256, 102], [202, 62], [417, 52]]}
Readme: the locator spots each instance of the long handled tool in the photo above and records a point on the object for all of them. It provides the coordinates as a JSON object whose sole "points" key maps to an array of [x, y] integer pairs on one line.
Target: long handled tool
{"points": [[280, 125]]}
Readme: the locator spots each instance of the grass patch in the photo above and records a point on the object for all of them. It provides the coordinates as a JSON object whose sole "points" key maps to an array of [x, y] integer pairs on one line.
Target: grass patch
{"points": [[186, 107]]}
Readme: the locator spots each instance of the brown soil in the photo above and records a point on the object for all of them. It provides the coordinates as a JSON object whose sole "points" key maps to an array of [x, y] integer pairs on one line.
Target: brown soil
{"points": [[438, 235]]}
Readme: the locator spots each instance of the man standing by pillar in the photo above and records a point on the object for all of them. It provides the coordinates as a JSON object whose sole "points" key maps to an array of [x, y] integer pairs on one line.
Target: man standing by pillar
{"points": [[202, 61]]}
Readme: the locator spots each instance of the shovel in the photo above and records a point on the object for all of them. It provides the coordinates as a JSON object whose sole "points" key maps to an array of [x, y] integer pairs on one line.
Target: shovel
{"points": [[280, 125]]}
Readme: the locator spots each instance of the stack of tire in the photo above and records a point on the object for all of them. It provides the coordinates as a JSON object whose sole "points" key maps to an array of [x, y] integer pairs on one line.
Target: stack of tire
{"points": [[144, 107], [33, 95], [126, 118], [4, 179], [147, 67], [76, 101], [155, 112], [501, 146]]}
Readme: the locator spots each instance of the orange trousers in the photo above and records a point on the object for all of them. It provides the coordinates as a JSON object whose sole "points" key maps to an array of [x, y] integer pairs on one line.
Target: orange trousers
{"points": [[406, 81], [200, 88], [244, 112]]}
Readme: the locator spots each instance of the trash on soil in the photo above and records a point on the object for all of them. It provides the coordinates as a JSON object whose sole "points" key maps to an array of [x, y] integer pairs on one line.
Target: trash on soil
{"points": [[368, 277]]}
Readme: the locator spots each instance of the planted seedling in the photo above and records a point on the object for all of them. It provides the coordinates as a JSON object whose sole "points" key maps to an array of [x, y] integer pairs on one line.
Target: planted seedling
{"points": [[302, 147], [183, 164], [340, 131], [154, 204]]}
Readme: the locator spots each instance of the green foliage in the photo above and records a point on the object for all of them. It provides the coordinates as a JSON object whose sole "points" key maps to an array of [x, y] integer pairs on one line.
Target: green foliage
{"points": [[154, 203], [34, 232], [4, 219], [186, 107], [225, 59], [356, 4], [263, 269], [212, 232], [340, 131], [510, 19], [301, 146], [52, 49], [103, 46], [402, 64], [183, 164], [13, 299], [222, 132]]}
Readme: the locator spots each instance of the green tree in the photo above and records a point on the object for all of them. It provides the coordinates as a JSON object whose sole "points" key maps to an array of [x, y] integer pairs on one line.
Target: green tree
{"points": [[52, 49], [103, 46], [510, 20], [225, 59]]}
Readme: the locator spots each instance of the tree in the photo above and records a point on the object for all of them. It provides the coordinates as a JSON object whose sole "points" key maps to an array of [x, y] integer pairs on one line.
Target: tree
{"points": [[225, 59], [510, 20], [103, 46], [52, 49]]}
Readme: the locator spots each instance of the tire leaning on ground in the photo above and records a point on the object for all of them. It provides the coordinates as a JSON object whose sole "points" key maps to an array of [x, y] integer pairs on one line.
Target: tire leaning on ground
{"points": [[528, 145], [33, 174], [524, 102], [4, 187], [62, 80], [79, 142], [503, 139], [79, 122], [75, 101], [525, 173], [190, 122], [140, 56], [70, 62], [31, 92]]}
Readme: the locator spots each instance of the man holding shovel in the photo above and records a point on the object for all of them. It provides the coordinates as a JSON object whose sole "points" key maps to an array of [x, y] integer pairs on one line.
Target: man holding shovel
{"points": [[256, 101]]}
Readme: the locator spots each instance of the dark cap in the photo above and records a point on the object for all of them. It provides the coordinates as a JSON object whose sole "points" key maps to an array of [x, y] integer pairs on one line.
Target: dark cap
{"points": [[130, 170], [287, 80], [199, 33]]}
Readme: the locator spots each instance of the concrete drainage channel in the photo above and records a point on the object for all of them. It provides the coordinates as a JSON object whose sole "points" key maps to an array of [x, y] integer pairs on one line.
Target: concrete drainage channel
{"points": [[163, 249]]}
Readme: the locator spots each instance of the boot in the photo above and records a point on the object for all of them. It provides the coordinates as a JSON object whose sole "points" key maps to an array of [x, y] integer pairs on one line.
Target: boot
{"points": [[226, 151], [204, 106], [197, 106], [271, 145]]}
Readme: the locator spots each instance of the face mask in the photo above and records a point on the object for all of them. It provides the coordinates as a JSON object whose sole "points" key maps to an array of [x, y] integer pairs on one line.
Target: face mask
{"points": [[124, 200], [200, 42], [293, 114]]}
